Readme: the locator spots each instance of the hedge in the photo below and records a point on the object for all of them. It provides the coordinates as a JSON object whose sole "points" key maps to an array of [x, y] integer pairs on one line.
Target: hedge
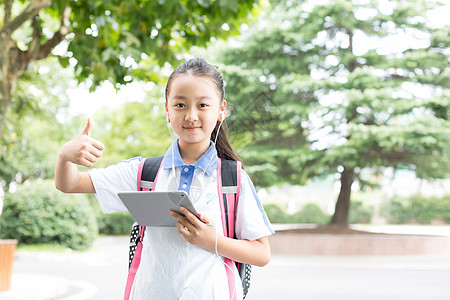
{"points": [[417, 209], [311, 213], [359, 214], [119, 223], [39, 214]]}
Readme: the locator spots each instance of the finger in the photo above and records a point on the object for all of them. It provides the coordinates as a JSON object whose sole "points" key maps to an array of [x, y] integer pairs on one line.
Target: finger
{"points": [[90, 157], [184, 223], [190, 216], [90, 123], [95, 152], [85, 162], [176, 215], [97, 144], [182, 229]]}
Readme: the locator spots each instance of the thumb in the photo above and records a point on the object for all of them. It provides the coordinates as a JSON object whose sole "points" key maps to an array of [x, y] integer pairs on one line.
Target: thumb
{"points": [[90, 123]]}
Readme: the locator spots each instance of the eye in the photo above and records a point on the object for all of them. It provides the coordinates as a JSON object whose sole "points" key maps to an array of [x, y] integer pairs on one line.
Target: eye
{"points": [[180, 105], [203, 105]]}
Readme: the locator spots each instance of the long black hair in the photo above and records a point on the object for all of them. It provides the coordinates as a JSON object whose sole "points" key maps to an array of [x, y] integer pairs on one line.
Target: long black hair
{"points": [[199, 67]]}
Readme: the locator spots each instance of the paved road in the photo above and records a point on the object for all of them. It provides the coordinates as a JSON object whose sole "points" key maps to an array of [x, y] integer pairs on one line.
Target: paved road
{"points": [[100, 274]]}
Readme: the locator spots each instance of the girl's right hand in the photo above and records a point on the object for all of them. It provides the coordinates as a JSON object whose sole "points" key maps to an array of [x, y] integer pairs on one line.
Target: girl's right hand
{"points": [[82, 150]]}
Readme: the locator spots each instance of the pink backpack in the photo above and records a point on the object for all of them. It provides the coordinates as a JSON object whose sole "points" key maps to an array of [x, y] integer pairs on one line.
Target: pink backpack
{"points": [[228, 184]]}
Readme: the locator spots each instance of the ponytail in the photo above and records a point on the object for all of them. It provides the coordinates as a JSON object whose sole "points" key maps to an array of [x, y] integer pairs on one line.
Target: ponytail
{"points": [[223, 146]]}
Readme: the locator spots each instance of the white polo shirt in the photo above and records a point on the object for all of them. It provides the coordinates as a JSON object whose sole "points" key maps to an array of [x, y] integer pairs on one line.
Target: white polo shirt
{"points": [[170, 267]]}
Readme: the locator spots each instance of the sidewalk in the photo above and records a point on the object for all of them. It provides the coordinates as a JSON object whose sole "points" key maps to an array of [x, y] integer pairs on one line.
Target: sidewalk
{"points": [[42, 287], [70, 275], [101, 273]]}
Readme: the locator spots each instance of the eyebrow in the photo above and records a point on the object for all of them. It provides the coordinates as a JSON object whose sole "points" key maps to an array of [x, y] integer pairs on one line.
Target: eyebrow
{"points": [[177, 97], [181, 97]]}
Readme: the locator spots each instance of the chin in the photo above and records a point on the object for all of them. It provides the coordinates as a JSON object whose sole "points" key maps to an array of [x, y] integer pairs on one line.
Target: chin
{"points": [[190, 140]]}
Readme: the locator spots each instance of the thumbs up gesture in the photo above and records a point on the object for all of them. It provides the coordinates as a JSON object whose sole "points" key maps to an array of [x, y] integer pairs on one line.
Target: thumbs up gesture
{"points": [[82, 150], [87, 130]]}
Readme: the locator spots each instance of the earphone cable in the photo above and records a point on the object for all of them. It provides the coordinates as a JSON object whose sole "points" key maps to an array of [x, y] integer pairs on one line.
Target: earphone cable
{"points": [[186, 287], [215, 141], [218, 256], [174, 174]]}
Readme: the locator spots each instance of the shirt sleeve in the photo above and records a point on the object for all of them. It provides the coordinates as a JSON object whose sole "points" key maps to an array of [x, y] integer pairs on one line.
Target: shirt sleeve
{"points": [[251, 220], [108, 181]]}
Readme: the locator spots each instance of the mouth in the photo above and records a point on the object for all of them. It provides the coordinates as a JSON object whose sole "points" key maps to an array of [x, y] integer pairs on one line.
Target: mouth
{"points": [[191, 128]]}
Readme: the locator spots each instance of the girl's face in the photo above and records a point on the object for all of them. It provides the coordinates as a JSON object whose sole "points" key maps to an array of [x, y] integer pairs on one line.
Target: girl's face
{"points": [[194, 107]]}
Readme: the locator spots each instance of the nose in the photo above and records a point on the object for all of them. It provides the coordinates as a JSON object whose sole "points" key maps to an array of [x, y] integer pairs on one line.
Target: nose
{"points": [[191, 115]]}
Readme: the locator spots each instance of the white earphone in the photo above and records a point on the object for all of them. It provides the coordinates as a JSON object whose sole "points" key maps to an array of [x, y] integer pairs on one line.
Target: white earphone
{"points": [[167, 117]]}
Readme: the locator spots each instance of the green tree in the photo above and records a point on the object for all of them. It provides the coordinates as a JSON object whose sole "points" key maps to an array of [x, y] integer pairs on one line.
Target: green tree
{"points": [[106, 39], [33, 132], [133, 129], [314, 94]]}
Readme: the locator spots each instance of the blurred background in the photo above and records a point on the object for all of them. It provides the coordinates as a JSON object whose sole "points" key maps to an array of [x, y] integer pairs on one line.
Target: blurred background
{"points": [[339, 109]]}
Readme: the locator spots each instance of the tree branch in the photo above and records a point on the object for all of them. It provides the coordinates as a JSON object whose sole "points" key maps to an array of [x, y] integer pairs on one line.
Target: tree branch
{"points": [[57, 38], [352, 64], [36, 51], [28, 13], [8, 5], [36, 40]]}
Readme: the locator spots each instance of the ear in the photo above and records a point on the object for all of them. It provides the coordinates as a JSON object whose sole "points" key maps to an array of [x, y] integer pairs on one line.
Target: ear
{"points": [[167, 112], [223, 111]]}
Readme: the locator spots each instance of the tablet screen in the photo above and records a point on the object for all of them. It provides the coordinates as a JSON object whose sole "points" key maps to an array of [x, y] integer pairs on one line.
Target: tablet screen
{"points": [[151, 208]]}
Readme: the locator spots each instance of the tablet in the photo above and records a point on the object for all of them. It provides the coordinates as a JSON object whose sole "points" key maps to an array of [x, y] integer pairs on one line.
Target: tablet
{"points": [[150, 208]]}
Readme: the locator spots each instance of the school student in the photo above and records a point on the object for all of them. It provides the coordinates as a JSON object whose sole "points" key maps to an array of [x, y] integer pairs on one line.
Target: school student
{"points": [[182, 262]]}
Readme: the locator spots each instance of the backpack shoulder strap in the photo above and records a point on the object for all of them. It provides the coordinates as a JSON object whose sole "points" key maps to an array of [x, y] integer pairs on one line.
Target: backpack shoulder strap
{"points": [[228, 184], [146, 179], [148, 172]]}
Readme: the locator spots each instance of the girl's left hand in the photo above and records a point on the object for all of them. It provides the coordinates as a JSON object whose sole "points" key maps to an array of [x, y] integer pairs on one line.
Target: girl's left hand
{"points": [[199, 231]]}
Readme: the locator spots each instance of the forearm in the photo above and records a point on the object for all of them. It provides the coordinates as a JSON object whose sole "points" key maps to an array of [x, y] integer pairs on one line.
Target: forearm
{"points": [[69, 180], [82, 150], [255, 252]]}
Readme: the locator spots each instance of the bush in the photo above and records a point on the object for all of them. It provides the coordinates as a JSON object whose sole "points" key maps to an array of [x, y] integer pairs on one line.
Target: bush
{"points": [[359, 214], [417, 209], [276, 214], [38, 214], [311, 213], [443, 207], [115, 224]]}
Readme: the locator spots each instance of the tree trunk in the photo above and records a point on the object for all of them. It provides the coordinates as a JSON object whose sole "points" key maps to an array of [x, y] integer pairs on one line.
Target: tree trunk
{"points": [[14, 61], [4, 103], [340, 216], [8, 79]]}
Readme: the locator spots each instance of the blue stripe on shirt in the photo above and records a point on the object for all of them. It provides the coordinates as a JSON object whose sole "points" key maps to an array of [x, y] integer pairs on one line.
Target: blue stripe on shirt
{"points": [[261, 209], [126, 161]]}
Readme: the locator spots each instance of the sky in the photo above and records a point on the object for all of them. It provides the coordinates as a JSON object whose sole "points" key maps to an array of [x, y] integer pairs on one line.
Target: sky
{"points": [[84, 102]]}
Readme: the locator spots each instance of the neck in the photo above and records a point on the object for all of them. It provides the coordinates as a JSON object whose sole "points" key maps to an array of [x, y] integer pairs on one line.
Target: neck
{"points": [[190, 153]]}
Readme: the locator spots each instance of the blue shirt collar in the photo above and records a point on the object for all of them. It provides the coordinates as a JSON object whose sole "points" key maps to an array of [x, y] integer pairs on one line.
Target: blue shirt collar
{"points": [[207, 161]]}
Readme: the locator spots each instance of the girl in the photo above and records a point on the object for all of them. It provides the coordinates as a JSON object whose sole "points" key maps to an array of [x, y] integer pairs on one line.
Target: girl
{"points": [[182, 262]]}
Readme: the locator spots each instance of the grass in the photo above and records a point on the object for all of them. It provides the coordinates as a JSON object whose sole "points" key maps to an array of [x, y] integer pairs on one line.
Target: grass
{"points": [[52, 247], [42, 248]]}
